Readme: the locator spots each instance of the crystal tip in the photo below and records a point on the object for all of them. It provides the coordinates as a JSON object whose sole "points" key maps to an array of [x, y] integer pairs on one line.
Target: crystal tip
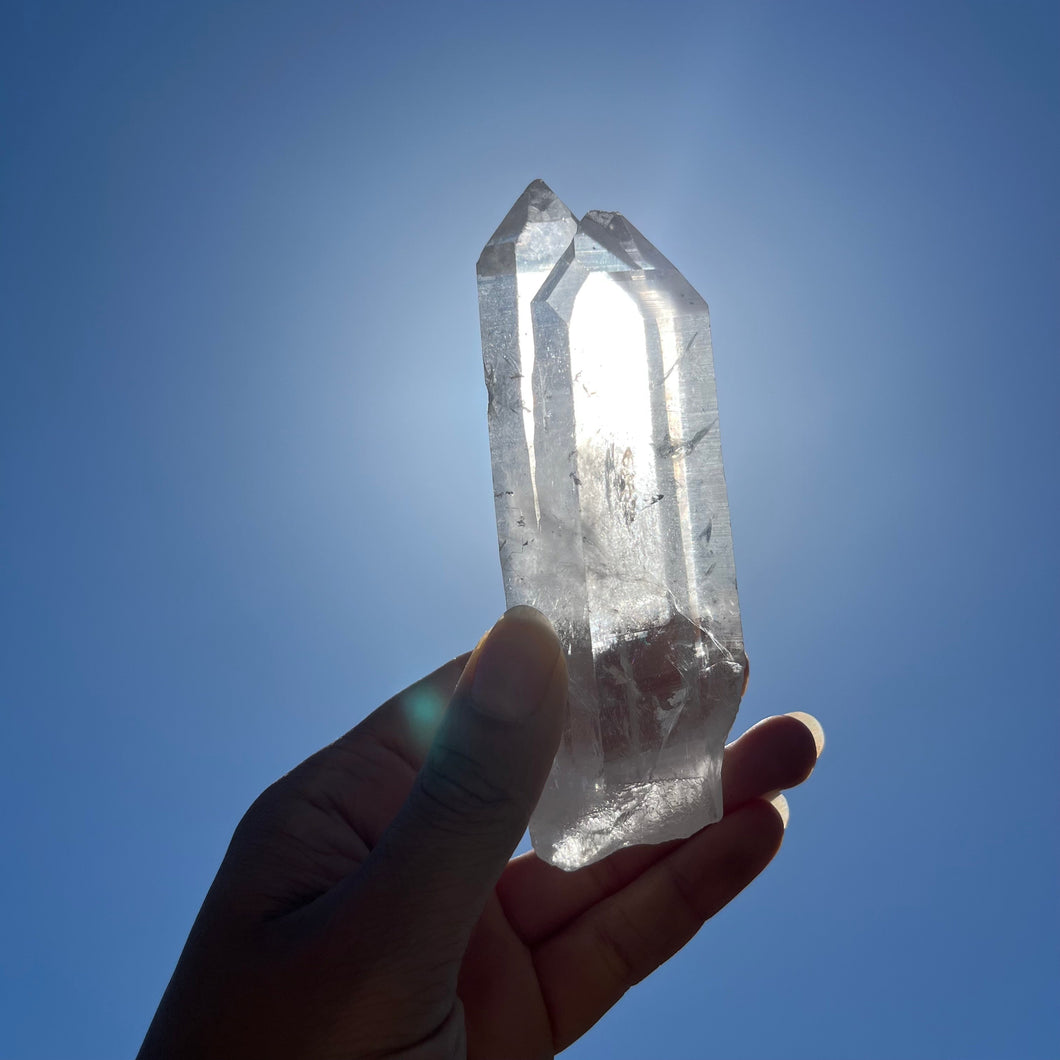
{"points": [[538, 204], [614, 232], [616, 224], [541, 202]]}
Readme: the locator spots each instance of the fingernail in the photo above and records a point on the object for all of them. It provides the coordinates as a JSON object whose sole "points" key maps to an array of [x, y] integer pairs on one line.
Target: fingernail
{"points": [[813, 725], [515, 665], [782, 807]]}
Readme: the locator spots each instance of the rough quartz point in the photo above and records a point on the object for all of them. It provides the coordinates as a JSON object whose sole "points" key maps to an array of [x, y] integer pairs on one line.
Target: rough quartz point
{"points": [[613, 519]]}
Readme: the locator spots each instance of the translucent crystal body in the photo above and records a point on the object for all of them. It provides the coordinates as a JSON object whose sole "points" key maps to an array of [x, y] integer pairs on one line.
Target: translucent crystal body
{"points": [[513, 265], [613, 521]]}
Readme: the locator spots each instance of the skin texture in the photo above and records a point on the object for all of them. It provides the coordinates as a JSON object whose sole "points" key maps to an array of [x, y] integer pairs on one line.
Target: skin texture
{"points": [[367, 906]]}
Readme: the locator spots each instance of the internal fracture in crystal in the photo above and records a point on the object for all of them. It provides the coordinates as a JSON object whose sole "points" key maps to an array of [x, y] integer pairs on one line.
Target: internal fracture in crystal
{"points": [[613, 519]]}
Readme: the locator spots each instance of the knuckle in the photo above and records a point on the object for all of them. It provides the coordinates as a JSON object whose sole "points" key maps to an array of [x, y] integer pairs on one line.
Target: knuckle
{"points": [[263, 813], [460, 790], [685, 897], [621, 945]]}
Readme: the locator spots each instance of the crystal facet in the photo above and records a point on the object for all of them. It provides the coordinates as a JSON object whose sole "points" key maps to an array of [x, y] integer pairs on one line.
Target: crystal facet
{"points": [[613, 519]]}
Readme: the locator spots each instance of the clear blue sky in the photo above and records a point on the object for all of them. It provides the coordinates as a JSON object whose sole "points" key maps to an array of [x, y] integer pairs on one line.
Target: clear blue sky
{"points": [[245, 484]]}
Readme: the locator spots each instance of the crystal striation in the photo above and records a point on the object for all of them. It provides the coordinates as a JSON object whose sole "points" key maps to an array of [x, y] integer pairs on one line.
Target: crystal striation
{"points": [[613, 519]]}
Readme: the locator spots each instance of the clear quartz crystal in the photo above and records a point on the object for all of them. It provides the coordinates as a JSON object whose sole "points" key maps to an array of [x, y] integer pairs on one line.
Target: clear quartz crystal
{"points": [[513, 265], [613, 519]]}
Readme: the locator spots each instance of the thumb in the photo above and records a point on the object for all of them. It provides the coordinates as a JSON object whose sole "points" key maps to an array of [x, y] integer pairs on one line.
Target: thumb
{"points": [[442, 855]]}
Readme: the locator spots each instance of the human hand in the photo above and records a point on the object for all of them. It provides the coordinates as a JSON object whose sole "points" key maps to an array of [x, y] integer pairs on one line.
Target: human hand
{"points": [[366, 905]]}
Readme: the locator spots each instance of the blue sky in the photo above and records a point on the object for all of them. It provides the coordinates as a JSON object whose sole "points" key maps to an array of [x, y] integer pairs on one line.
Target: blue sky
{"points": [[244, 473]]}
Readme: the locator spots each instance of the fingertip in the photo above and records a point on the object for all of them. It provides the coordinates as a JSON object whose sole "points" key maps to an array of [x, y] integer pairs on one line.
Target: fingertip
{"points": [[514, 669], [761, 826], [780, 804], [529, 615], [815, 727], [798, 743]]}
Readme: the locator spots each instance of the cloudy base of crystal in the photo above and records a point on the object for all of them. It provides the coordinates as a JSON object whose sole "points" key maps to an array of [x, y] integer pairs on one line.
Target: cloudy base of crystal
{"points": [[591, 807], [661, 809]]}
